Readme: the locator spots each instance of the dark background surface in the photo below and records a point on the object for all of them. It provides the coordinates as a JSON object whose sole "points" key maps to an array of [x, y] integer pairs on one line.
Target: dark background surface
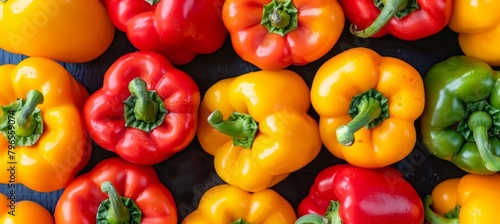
{"points": [[190, 173]]}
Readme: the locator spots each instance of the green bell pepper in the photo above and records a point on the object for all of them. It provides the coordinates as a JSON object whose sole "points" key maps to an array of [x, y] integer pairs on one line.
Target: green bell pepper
{"points": [[461, 118]]}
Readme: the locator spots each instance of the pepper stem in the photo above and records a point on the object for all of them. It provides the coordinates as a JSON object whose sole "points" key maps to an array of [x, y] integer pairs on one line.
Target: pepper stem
{"points": [[241, 127], [25, 123], [369, 109], [391, 7], [240, 221], [433, 217], [145, 108], [331, 216], [479, 123], [152, 2], [280, 17], [117, 212]]}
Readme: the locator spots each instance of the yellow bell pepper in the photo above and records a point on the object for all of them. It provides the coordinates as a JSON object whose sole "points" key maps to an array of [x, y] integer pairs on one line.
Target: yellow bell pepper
{"points": [[22, 212], [44, 142], [64, 30], [257, 128], [470, 199], [367, 106], [229, 204], [478, 25]]}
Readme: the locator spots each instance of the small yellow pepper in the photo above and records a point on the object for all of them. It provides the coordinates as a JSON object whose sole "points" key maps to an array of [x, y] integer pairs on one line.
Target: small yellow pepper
{"points": [[478, 25], [470, 199], [44, 143], [367, 106], [229, 204], [257, 128], [23, 212]]}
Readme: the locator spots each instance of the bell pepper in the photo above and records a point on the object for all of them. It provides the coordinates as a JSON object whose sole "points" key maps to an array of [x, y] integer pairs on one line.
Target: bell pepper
{"points": [[146, 110], [273, 34], [257, 128], [177, 29], [344, 193], [229, 204], [74, 31], [367, 106], [478, 25], [461, 120], [470, 199], [43, 135], [117, 191], [23, 212], [404, 19]]}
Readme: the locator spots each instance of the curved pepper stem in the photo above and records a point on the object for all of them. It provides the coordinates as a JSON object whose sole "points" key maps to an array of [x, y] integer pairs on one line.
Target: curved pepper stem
{"points": [[433, 217], [280, 17], [144, 109], [25, 122], [331, 216], [241, 127], [389, 10], [479, 123], [116, 209]]}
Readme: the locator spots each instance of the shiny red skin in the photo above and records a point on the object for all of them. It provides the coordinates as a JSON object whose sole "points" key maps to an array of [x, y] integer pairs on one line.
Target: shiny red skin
{"points": [[104, 109], [431, 17], [366, 196], [177, 29]]}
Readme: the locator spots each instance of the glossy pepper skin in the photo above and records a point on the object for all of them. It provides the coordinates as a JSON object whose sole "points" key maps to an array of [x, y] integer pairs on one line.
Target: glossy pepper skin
{"points": [[41, 125], [470, 199], [461, 120], [405, 19], [177, 29], [478, 25], [273, 34], [229, 204], [257, 128], [352, 195], [146, 111], [367, 105], [94, 197], [22, 212], [74, 31]]}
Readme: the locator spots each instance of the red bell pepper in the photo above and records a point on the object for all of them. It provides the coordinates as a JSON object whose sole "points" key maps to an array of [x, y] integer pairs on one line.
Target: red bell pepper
{"points": [[116, 191], [146, 110], [405, 19], [348, 194], [177, 29]]}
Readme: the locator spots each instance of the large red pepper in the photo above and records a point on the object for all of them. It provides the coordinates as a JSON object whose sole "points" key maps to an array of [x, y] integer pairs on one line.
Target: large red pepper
{"points": [[146, 110], [351, 195], [404, 19], [177, 29], [116, 191]]}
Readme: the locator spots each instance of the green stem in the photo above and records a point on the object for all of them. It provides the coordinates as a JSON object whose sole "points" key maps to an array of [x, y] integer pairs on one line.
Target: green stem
{"points": [[145, 109], [242, 128], [369, 109], [391, 7], [479, 123], [280, 17], [240, 221], [152, 2], [117, 212], [331, 216], [434, 218], [25, 123]]}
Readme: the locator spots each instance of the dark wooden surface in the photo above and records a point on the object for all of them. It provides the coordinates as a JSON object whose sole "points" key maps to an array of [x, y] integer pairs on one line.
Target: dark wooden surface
{"points": [[190, 173]]}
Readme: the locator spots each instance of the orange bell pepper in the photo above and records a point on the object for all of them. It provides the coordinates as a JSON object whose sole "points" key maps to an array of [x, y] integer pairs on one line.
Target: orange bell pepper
{"points": [[257, 128], [470, 199], [43, 136], [478, 25], [273, 34], [367, 106], [23, 212], [229, 204]]}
